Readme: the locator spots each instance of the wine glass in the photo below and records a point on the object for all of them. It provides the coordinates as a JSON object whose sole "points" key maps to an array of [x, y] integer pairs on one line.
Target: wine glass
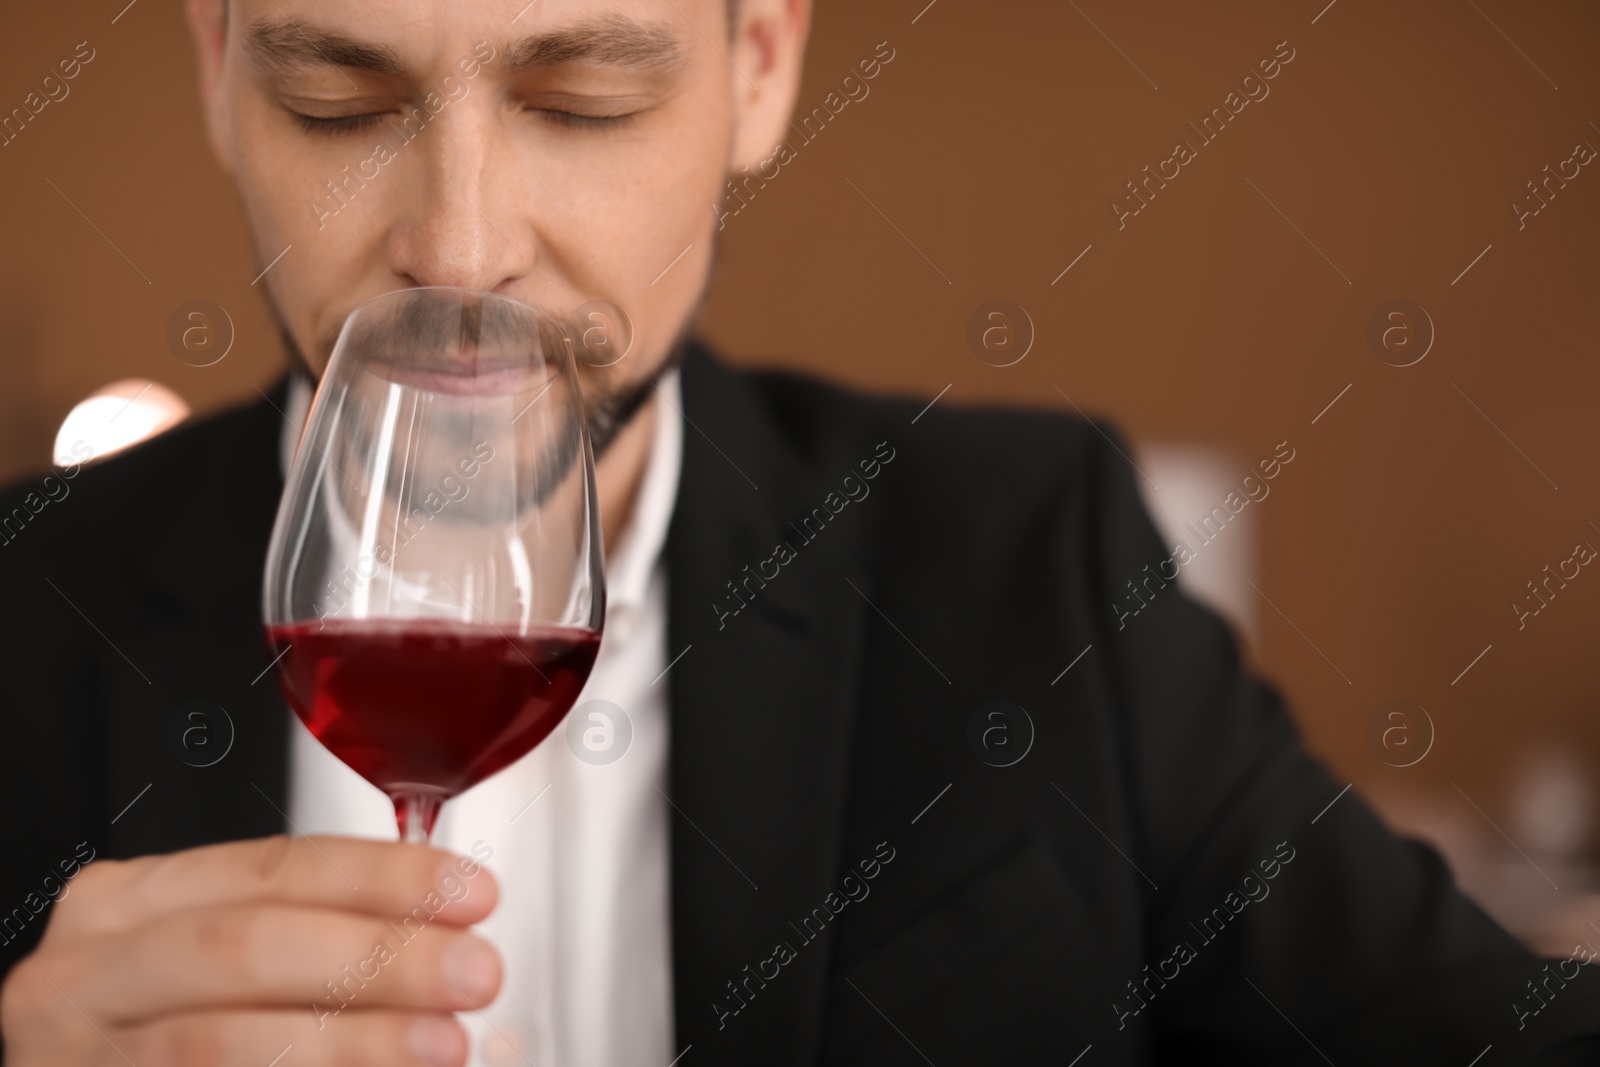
{"points": [[435, 585]]}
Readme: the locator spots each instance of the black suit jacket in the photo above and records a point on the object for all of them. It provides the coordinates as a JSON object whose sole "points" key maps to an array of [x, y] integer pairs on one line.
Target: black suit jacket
{"points": [[1164, 876]]}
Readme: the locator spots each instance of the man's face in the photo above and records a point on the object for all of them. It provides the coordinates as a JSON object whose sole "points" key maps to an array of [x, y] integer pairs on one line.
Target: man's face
{"points": [[558, 152]]}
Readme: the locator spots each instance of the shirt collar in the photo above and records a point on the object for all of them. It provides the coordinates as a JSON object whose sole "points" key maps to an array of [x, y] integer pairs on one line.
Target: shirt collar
{"points": [[639, 549]]}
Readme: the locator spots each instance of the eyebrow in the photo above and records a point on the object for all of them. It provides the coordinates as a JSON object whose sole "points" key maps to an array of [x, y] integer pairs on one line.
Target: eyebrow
{"points": [[282, 46], [608, 40]]}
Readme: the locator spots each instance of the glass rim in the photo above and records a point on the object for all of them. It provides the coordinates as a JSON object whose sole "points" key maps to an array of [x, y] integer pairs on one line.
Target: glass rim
{"points": [[554, 348]]}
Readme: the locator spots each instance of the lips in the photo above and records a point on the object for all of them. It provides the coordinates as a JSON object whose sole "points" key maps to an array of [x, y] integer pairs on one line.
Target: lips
{"points": [[458, 377]]}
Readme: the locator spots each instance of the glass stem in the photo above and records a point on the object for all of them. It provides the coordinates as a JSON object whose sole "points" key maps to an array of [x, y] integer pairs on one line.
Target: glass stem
{"points": [[415, 813]]}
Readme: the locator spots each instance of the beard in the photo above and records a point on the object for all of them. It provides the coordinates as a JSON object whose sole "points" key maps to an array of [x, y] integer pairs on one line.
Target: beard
{"points": [[430, 331]]}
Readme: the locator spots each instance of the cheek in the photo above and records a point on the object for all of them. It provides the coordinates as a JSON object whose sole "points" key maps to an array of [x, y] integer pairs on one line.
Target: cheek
{"points": [[628, 217], [279, 170], [280, 173]]}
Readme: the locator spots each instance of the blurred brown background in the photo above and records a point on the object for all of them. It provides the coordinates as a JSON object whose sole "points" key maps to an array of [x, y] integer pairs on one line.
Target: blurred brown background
{"points": [[1225, 316]]}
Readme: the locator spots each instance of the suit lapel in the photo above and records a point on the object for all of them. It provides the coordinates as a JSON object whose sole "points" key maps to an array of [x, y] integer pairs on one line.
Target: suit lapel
{"points": [[761, 712], [176, 779]]}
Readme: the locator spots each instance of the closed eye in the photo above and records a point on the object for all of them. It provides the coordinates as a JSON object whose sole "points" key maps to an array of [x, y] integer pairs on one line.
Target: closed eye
{"points": [[573, 120], [337, 123]]}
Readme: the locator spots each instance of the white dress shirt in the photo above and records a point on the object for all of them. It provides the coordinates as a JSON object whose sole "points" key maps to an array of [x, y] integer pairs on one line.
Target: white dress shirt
{"points": [[579, 847]]}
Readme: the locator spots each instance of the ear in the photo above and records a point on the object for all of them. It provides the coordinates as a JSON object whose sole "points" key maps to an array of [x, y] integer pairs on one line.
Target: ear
{"points": [[208, 26], [769, 45]]}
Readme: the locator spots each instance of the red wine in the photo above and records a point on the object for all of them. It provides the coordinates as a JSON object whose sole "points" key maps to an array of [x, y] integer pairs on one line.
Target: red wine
{"points": [[429, 706]]}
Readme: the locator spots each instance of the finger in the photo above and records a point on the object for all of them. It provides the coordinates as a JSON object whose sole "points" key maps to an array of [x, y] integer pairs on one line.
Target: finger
{"points": [[44, 1025], [257, 1038], [383, 878], [256, 955]]}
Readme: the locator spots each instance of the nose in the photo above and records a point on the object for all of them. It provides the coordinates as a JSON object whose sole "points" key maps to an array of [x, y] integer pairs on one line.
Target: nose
{"points": [[460, 221]]}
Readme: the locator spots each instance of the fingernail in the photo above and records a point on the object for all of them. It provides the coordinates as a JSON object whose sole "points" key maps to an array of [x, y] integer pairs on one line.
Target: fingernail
{"points": [[473, 967], [437, 1040]]}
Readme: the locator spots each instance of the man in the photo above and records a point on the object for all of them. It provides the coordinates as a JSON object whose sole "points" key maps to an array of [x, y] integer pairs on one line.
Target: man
{"points": [[836, 836]]}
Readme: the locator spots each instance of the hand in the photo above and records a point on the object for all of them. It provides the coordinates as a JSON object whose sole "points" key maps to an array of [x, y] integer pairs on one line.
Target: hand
{"points": [[351, 951]]}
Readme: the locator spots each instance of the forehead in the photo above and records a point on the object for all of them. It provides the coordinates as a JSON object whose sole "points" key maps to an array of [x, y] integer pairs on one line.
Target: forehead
{"points": [[401, 37]]}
